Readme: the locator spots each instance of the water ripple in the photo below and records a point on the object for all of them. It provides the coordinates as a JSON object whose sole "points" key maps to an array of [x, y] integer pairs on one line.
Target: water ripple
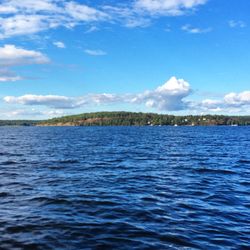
{"points": [[125, 188]]}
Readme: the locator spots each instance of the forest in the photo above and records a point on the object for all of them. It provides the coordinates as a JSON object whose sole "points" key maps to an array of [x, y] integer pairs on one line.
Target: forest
{"points": [[133, 119], [144, 119]]}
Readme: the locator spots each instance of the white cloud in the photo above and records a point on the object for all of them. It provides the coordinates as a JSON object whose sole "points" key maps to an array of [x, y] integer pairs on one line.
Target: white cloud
{"points": [[22, 25], [31, 113], [134, 22], [104, 98], [95, 52], [128, 16], [62, 102], [7, 9], [53, 101], [236, 24], [81, 12], [26, 17], [209, 105], [194, 30], [60, 45], [167, 7], [169, 96], [231, 103], [166, 97], [239, 99], [10, 55], [22, 112], [8, 76], [29, 6], [91, 29]]}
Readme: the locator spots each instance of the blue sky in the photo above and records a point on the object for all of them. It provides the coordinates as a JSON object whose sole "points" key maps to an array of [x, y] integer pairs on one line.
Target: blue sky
{"points": [[166, 56]]}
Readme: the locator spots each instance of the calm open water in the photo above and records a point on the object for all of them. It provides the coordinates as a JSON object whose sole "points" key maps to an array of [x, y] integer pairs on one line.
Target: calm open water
{"points": [[124, 188]]}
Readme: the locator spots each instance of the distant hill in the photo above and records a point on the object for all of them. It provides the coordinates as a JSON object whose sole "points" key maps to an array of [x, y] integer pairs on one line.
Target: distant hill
{"points": [[17, 123], [132, 119], [142, 119]]}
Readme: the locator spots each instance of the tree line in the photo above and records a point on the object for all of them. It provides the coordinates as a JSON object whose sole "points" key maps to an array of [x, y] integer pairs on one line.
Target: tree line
{"points": [[142, 119]]}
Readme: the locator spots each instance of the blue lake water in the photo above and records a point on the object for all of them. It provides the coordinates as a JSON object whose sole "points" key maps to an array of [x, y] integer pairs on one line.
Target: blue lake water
{"points": [[124, 188]]}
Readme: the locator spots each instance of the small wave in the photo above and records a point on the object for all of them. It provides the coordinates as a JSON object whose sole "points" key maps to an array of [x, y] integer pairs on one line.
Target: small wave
{"points": [[49, 201], [8, 163], [214, 171], [245, 183], [10, 154], [4, 194], [243, 161], [69, 161], [124, 188], [222, 199]]}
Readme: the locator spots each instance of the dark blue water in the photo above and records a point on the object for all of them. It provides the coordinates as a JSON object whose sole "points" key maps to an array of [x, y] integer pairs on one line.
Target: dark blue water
{"points": [[125, 188]]}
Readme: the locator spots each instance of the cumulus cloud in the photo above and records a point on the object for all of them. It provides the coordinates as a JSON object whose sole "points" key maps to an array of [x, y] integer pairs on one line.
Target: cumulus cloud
{"points": [[171, 96], [95, 52], [194, 30], [59, 44], [168, 97]]}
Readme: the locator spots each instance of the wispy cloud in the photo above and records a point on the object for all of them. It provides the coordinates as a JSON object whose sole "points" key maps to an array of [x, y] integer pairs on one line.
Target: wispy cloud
{"points": [[92, 29], [32, 113], [95, 52], [194, 30], [28, 17], [6, 75], [81, 12], [7, 78], [166, 7], [236, 24], [52, 101], [59, 45]]}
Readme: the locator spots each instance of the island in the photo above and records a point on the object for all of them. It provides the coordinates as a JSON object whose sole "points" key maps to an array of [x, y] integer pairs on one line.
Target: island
{"points": [[133, 119]]}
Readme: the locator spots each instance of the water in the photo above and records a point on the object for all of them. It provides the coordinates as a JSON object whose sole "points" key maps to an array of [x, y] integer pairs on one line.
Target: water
{"points": [[125, 188]]}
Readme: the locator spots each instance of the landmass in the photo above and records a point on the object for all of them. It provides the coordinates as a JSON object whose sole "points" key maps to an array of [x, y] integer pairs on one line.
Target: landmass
{"points": [[134, 119], [18, 122]]}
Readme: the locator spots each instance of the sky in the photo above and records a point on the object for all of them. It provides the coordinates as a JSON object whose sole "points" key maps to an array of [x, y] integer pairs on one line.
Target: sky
{"points": [[61, 57]]}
